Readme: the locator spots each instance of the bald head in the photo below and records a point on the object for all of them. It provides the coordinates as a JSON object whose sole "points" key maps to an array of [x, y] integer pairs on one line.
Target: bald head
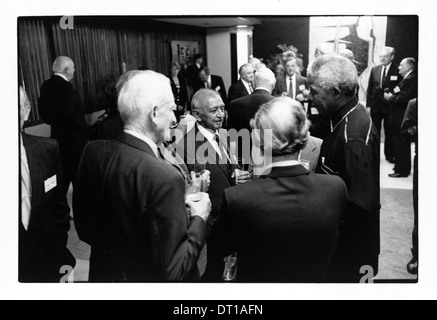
{"points": [[264, 79], [65, 66]]}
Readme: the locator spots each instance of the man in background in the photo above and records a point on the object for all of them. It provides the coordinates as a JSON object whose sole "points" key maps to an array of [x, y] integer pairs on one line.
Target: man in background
{"points": [[244, 86], [398, 101], [351, 152], [384, 77], [213, 82], [208, 141], [292, 84], [130, 204], [44, 212], [61, 107]]}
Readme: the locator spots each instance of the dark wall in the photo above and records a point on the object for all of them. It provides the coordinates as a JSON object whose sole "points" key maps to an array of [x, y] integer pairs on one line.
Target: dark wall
{"points": [[273, 31], [403, 34]]}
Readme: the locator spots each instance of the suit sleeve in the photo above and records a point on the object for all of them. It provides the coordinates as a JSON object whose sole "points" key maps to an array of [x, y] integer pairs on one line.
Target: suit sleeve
{"points": [[62, 216], [409, 125], [233, 93], [75, 120], [360, 177], [408, 92], [180, 240], [84, 201]]}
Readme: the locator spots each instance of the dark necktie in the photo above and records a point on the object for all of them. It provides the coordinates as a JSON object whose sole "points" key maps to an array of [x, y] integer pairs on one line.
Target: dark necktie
{"points": [[384, 75]]}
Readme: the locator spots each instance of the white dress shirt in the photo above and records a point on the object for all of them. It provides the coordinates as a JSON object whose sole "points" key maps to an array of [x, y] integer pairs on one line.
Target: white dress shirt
{"points": [[26, 187], [210, 137], [147, 140], [291, 94], [248, 86]]}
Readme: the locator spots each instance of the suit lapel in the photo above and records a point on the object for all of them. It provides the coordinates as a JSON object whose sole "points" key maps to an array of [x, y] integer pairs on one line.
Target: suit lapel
{"points": [[211, 157], [245, 92]]}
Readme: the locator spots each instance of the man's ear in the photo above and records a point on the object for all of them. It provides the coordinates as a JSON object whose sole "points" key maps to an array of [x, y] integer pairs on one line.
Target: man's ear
{"points": [[337, 92], [196, 114], [154, 115]]}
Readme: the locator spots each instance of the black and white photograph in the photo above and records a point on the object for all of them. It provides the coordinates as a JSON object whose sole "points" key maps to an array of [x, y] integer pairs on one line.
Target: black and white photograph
{"points": [[232, 151]]}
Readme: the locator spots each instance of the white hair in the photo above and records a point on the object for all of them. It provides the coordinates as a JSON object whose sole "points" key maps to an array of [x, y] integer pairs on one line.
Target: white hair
{"points": [[289, 124], [264, 78], [61, 63], [140, 93], [334, 71]]}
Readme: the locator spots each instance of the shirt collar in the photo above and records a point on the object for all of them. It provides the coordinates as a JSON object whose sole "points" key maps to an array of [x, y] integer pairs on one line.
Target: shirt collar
{"points": [[387, 67], [342, 111], [62, 76], [207, 133], [408, 74], [147, 140]]}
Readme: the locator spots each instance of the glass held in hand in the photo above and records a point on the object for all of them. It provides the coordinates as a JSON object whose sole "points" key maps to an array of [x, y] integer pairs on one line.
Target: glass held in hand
{"points": [[230, 271], [199, 179]]}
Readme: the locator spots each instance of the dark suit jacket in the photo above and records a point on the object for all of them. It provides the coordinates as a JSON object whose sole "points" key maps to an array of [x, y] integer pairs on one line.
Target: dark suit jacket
{"points": [[221, 179], [283, 226], [61, 107], [180, 96], [43, 247], [375, 94], [193, 79], [399, 101], [242, 110], [129, 206], [409, 125], [281, 85], [218, 85], [237, 90]]}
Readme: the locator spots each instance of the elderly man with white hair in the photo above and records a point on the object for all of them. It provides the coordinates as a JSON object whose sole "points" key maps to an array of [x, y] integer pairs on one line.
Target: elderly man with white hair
{"points": [[130, 204], [283, 226], [351, 151], [61, 107]]}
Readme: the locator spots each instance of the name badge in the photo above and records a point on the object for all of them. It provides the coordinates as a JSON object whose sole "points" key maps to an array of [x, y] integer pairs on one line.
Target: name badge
{"points": [[50, 183], [396, 90], [218, 88], [302, 87], [394, 78], [314, 111]]}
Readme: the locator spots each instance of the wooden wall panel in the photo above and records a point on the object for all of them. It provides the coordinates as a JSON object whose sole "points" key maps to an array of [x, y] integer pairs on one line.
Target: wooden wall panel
{"points": [[99, 47]]}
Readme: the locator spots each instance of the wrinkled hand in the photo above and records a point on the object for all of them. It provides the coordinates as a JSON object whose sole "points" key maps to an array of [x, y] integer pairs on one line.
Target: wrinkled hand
{"points": [[242, 177], [387, 96], [306, 93], [206, 180], [300, 97], [201, 208], [199, 184]]}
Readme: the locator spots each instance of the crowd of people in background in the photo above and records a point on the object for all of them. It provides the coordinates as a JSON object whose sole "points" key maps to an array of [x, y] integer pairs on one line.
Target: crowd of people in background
{"points": [[151, 215]]}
